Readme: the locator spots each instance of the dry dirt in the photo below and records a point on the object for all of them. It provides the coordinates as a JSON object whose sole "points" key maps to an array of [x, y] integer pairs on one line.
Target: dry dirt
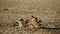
{"points": [[46, 10]]}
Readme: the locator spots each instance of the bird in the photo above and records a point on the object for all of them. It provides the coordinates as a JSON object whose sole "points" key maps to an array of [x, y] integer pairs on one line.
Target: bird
{"points": [[39, 22], [21, 23]]}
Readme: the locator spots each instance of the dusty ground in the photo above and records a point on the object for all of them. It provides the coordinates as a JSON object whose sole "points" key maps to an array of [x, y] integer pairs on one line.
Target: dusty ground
{"points": [[46, 10]]}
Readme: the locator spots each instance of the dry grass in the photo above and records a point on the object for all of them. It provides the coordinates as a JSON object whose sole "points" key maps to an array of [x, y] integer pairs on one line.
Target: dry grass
{"points": [[13, 10]]}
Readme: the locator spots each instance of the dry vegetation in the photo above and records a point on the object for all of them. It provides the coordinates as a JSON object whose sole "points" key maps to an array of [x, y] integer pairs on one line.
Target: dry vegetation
{"points": [[13, 10]]}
